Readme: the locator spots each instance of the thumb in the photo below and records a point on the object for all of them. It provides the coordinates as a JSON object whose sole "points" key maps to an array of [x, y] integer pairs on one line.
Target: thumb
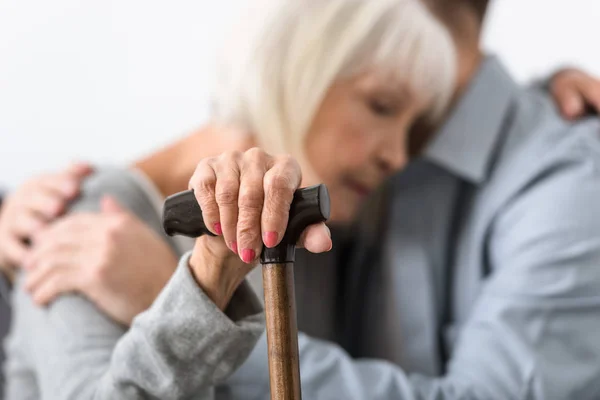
{"points": [[108, 204], [316, 239]]}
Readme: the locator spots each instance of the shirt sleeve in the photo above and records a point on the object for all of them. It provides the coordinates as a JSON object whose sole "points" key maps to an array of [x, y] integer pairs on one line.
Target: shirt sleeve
{"points": [[533, 333], [179, 348]]}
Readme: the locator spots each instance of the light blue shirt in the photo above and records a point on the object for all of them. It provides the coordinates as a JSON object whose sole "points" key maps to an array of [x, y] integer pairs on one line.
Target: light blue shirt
{"points": [[492, 256]]}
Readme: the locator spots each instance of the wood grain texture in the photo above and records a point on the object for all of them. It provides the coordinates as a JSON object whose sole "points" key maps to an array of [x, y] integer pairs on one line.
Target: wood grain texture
{"points": [[282, 331]]}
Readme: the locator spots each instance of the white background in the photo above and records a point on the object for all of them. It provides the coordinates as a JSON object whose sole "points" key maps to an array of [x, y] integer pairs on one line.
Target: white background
{"points": [[110, 80]]}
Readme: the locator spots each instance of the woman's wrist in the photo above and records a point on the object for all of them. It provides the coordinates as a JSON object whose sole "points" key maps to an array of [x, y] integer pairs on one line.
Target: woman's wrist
{"points": [[217, 270]]}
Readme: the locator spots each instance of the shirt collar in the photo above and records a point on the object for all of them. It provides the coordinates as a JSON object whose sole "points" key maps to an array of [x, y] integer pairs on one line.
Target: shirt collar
{"points": [[466, 142]]}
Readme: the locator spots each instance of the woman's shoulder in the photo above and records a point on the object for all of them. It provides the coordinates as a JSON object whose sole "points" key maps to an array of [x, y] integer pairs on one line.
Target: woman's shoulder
{"points": [[124, 185]]}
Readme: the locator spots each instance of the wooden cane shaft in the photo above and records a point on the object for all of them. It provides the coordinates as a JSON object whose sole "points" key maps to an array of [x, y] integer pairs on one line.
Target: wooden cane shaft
{"points": [[282, 331]]}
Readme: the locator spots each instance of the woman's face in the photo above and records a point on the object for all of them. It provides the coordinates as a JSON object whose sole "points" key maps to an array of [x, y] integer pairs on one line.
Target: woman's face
{"points": [[359, 137]]}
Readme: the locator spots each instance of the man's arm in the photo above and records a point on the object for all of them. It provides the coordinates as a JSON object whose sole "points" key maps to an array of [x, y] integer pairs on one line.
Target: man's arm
{"points": [[534, 330], [178, 348]]}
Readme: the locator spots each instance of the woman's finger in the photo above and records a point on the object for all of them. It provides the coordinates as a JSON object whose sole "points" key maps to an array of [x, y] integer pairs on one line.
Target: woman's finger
{"points": [[250, 203], [226, 194], [316, 239], [280, 182], [203, 183]]}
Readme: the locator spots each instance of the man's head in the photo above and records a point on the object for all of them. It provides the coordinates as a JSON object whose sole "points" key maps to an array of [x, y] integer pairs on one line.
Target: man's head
{"points": [[464, 18]]}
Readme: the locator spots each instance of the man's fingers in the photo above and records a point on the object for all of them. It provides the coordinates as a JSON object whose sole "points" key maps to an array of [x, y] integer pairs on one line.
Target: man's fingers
{"points": [[38, 275], [64, 184], [250, 204], [63, 232], [316, 238], [15, 251], [109, 204], [280, 182], [203, 183], [27, 223], [59, 282], [592, 95], [47, 202], [570, 102], [226, 194], [80, 169]]}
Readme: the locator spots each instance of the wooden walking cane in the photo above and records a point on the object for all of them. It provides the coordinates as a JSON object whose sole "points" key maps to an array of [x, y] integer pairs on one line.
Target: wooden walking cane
{"points": [[183, 216]]}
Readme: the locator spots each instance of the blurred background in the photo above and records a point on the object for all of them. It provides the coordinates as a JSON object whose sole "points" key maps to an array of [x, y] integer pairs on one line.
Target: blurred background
{"points": [[107, 81]]}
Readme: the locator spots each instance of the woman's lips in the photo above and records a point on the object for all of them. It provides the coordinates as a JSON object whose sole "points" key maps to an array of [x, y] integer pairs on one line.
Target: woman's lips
{"points": [[359, 188]]}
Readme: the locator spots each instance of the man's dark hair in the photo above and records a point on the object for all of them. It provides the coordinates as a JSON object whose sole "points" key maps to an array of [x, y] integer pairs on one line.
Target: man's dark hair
{"points": [[448, 9], [453, 12], [479, 6]]}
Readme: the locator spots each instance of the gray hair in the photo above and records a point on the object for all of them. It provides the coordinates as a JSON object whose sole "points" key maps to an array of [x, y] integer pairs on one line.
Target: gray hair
{"points": [[274, 78]]}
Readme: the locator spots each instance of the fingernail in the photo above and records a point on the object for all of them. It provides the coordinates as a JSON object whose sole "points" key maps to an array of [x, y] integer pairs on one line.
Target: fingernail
{"points": [[248, 255], [233, 247], [218, 228], [270, 238]]}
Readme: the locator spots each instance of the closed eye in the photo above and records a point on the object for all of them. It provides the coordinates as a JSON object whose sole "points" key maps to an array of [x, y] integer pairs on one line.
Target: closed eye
{"points": [[384, 109]]}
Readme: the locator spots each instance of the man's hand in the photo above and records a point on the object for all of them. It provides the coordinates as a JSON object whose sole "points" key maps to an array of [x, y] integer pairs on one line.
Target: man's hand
{"points": [[112, 257], [575, 93], [245, 198], [31, 207]]}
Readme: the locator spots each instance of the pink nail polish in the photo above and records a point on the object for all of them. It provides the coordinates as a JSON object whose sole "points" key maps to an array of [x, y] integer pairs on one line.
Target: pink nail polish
{"points": [[233, 247], [218, 228], [270, 238], [248, 255]]}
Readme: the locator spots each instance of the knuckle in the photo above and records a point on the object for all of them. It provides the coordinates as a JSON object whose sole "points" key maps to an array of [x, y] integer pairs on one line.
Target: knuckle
{"points": [[205, 186], [111, 235], [280, 183], [118, 224], [227, 194], [255, 154], [95, 275], [251, 199], [231, 156], [289, 162], [100, 265]]}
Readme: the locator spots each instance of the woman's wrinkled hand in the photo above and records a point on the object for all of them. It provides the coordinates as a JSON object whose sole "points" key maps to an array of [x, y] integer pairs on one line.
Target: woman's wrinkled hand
{"points": [[245, 199]]}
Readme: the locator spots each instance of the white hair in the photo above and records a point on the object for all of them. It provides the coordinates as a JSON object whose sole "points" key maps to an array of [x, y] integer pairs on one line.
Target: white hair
{"points": [[272, 81]]}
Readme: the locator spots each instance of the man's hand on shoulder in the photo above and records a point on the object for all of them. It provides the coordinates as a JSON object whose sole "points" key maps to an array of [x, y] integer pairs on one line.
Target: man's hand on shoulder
{"points": [[32, 207], [575, 92], [112, 257]]}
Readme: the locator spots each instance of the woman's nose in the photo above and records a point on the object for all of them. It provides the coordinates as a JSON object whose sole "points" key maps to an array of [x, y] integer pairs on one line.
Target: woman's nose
{"points": [[393, 155]]}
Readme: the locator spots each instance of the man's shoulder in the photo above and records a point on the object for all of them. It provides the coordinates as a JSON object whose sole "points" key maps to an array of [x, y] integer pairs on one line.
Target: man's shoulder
{"points": [[539, 142]]}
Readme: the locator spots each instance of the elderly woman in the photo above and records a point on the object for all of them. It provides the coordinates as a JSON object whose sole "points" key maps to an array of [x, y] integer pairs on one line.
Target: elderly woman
{"points": [[336, 83], [478, 281]]}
